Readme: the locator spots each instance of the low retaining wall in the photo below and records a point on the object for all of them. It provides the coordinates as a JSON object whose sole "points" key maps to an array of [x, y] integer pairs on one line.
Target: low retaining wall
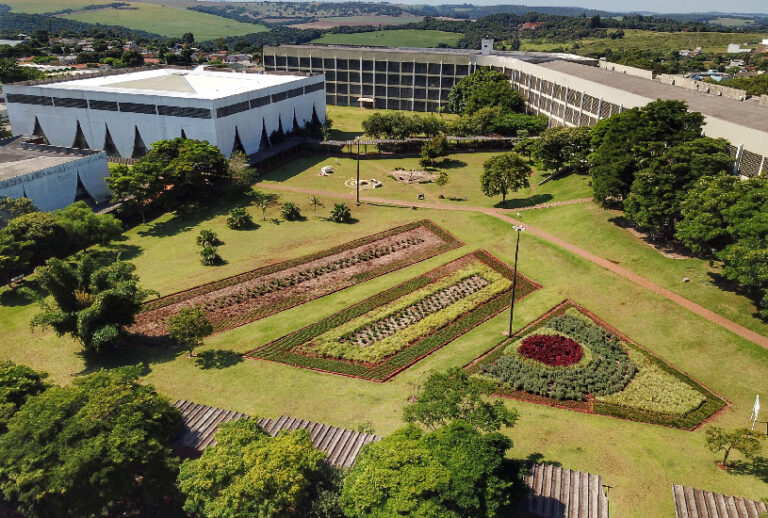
{"points": [[624, 69], [701, 86]]}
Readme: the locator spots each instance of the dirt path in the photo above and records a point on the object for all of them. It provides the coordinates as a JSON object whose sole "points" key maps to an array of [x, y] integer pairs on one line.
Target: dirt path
{"points": [[502, 214]]}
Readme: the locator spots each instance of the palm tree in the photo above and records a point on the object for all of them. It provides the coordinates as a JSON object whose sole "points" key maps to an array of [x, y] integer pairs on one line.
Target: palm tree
{"points": [[315, 202]]}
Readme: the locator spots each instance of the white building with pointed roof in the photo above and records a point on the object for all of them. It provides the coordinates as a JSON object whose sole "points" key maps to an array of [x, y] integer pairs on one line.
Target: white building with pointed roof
{"points": [[124, 113]]}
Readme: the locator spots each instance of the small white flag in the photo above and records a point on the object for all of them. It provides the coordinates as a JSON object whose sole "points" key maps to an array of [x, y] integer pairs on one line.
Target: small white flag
{"points": [[755, 411]]}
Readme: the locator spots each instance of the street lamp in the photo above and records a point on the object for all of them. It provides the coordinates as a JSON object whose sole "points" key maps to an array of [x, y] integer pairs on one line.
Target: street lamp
{"points": [[358, 169], [518, 229]]}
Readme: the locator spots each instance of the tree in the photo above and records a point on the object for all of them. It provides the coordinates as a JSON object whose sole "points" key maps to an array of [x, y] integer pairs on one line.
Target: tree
{"points": [[134, 187], [290, 211], [482, 89], [100, 443], [659, 190], [315, 202], [240, 169], [264, 201], [188, 38], [188, 327], [13, 208], [625, 143], [17, 384], [432, 149], [208, 237], [238, 219], [85, 228], [442, 181], [452, 472], [504, 173], [340, 213], [742, 440], [451, 395], [249, 473], [132, 58], [563, 147], [702, 226], [11, 72], [92, 304]]}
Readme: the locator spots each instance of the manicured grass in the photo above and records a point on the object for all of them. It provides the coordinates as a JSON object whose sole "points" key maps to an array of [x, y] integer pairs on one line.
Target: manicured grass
{"points": [[649, 40], [348, 120], [638, 460], [463, 188], [393, 38], [595, 229], [168, 21]]}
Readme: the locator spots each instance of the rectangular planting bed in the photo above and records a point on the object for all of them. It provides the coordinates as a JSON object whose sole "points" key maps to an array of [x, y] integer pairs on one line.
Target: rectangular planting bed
{"points": [[256, 294], [380, 336], [569, 358]]}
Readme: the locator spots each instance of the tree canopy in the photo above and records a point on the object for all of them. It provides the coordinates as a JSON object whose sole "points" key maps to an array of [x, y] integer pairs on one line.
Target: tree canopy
{"points": [[483, 89], [503, 174], [249, 474], [90, 303], [188, 327], [563, 147], [454, 394], [454, 471], [100, 443], [625, 143], [17, 384]]}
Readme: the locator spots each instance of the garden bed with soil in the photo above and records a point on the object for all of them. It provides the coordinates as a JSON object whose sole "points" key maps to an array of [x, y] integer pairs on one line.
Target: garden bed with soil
{"points": [[410, 177], [249, 296], [385, 334], [614, 377]]}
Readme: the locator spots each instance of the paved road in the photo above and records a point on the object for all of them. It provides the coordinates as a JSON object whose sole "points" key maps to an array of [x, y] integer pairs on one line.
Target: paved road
{"points": [[503, 215]]}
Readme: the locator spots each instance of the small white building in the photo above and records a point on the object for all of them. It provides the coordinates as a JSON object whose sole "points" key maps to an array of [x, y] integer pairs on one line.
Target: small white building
{"points": [[124, 113], [735, 48], [52, 177]]}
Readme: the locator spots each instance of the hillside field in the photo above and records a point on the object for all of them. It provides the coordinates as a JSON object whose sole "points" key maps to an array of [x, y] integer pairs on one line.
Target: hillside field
{"points": [[394, 38]]}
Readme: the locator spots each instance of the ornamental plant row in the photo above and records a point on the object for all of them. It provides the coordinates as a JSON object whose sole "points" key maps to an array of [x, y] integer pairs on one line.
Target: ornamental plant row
{"points": [[288, 349]]}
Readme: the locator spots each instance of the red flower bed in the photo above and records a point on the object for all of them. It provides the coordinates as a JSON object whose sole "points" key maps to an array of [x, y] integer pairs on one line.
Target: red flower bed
{"points": [[552, 350]]}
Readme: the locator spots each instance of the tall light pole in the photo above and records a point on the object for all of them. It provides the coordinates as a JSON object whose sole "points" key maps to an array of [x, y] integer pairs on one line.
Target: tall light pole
{"points": [[358, 169], [518, 228]]}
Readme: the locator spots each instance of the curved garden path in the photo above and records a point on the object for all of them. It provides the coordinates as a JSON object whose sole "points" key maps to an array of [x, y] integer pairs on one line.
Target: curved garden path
{"points": [[502, 214]]}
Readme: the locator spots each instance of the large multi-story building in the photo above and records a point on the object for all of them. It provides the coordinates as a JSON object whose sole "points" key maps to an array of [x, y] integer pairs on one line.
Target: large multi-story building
{"points": [[124, 113], [571, 90]]}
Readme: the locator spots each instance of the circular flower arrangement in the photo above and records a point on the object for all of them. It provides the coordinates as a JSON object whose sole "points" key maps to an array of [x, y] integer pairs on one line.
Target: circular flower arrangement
{"points": [[552, 350]]}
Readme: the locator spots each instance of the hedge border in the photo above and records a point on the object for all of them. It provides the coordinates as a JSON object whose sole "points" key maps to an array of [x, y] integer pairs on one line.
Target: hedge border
{"points": [[691, 421], [280, 350]]}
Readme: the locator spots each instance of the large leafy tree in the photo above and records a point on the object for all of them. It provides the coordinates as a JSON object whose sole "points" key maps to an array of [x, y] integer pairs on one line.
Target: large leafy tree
{"points": [[98, 444], [17, 384], [84, 227], [482, 89], [743, 440], [13, 208], [249, 474], [188, 327], [90, 303], [562, 146], [454, 394], [626, 142], [503, 174], [172, 173], [659, 190], [454, 471]]}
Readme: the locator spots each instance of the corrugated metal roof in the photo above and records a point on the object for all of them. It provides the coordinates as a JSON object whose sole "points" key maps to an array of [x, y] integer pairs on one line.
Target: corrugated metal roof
{"points": [[556, 492], [696, 503], [200, 424]]}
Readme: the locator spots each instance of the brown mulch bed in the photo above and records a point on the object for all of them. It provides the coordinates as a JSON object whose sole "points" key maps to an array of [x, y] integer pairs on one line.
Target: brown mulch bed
{"points": [[243, 298]]}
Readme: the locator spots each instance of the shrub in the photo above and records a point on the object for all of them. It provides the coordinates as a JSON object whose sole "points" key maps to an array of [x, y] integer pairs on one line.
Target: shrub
{"points": [[209, 256], [208, 238], [239, 219], [553, 350], [290, 211], [340, 213]]}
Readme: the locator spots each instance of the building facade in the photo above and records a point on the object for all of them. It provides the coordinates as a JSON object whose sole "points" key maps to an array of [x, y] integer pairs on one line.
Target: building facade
{"points": [[124, 113], [570, 90]]}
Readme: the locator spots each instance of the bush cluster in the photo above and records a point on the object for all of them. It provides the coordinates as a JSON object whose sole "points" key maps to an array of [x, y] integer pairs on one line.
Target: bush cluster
{"points": [[552, 350], [609, 371]]}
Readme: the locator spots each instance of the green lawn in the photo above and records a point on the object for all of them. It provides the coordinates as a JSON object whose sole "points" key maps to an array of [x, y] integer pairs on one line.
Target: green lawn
{"points": [[638, 460], [168, 21], [592, 228], [463, 189], [649, 40], [394, 38]]}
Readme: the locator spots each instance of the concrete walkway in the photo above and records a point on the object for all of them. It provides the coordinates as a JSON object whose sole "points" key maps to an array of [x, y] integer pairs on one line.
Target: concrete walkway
{"points": [[503, 215]]}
